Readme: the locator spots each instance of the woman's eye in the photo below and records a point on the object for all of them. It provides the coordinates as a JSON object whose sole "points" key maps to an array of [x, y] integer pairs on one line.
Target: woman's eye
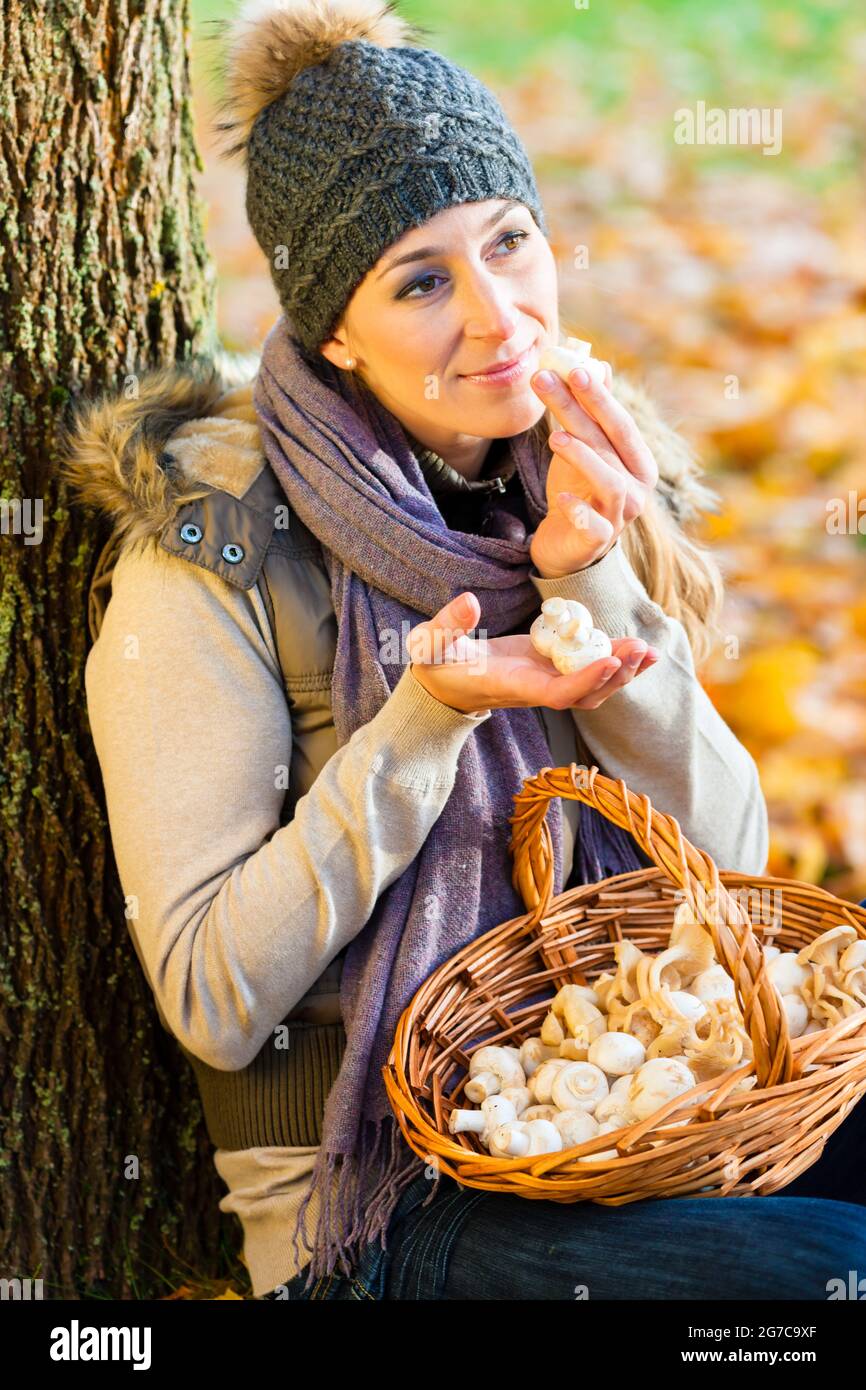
{"points": [[510, 236], [406, 292]]}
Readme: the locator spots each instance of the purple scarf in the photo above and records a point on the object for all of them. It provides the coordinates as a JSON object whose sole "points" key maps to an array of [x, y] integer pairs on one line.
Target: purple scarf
{"points": [[348, 471]]}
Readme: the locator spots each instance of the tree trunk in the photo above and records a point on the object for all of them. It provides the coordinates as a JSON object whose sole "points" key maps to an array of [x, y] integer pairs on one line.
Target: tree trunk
{"points": [[106, 1175]]}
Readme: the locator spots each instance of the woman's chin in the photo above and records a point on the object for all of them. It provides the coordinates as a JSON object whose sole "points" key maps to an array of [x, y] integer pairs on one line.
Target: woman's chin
{"points": [[501, 419]]}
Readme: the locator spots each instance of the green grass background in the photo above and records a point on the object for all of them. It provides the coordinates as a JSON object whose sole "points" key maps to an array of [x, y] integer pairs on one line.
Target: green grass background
{"points": [[702, 50]]}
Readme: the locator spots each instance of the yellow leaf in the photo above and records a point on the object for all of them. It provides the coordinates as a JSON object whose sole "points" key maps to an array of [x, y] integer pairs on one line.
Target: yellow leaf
{"points": [[760, 704], [796, 852]]}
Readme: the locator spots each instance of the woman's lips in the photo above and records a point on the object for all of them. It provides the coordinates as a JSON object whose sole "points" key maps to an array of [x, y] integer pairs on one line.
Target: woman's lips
{"points": [[506, 376]]}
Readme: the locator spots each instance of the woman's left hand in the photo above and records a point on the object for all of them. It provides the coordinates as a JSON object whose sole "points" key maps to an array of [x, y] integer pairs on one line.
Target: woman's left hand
{"points": [[603, 462]]}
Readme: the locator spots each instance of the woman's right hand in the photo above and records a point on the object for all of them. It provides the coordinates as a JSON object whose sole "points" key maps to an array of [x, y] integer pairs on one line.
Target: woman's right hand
{"points": [[475, 674]]}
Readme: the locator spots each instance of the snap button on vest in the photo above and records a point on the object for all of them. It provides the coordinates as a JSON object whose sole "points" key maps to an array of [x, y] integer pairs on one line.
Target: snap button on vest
{"points": [[209, 520]]}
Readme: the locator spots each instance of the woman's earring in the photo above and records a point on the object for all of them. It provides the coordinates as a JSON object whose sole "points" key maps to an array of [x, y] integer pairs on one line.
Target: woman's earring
{"points": [[350, 364]]}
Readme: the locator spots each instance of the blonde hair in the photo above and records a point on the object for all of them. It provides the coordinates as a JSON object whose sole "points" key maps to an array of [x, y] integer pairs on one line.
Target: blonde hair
{"points": [[678, 572]]}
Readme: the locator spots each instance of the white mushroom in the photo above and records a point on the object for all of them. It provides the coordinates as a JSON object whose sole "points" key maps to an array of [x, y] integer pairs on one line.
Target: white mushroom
{"points": [[603, 986], [616, 1105], [564, 633], [571, 654], [563, 360], [824, 951], [617, 1053], [713, 983], [657, 1082], [583, 1020], [491, 1070], [517, 1139], [614, 1114], [717, 1042], [616, 1120], [559, 616], [532, 1053], [621, 1087], [635, 1019], [834, 1004], [520, 1097], [483, 1085], [788, 973], [797, 1013], [493, 1112], [539, 1112], [587, 992], [854, 983], [497, 1110], [686, 1004], [541, 1081], [689, 952], [579, 1086], [672, 1038], [624, 989], [552, 1031], [544, 1137], [853, 957], [510, 1141], [466, 1122], [575, 1127]]}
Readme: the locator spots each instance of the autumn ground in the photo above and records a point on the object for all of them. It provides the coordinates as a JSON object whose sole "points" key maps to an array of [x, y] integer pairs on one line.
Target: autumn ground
{"points": [[734, 284]]}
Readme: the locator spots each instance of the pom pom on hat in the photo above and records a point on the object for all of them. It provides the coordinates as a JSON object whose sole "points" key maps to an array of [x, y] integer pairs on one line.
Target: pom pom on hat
{"points": [[270, 41]]}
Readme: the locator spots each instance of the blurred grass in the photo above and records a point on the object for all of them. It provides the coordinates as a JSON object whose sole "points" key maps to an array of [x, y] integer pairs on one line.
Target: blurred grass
{"points": [[700, 51]]}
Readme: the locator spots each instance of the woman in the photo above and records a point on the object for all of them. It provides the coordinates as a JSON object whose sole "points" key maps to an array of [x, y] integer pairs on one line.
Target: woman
{"points": [[405, 433]]}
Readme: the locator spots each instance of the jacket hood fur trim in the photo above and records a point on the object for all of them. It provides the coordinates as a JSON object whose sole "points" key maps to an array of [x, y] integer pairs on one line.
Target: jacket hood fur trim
{"points": [[139, 459]]}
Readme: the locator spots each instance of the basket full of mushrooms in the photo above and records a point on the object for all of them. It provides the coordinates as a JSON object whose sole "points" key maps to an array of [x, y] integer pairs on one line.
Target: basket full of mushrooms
{"points": [[651, 1035]]}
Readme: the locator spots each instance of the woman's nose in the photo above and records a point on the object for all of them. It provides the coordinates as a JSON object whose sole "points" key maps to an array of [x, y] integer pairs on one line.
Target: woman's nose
{"points": [[489, 313]]}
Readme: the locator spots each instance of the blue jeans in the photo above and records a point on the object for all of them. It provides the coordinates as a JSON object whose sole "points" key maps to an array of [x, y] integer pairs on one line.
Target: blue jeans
{"points": [[466, 1244]]}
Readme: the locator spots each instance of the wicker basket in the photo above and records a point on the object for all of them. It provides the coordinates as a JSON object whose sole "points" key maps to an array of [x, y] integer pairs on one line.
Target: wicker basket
{"points": [[751, 1142]]}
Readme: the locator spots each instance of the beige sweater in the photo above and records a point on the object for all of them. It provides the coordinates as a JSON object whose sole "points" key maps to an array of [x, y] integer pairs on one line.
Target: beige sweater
{"points": [[235, 917]]}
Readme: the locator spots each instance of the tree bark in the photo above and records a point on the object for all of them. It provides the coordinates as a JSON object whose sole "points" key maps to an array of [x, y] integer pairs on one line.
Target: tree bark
{"points": [[103, 273]]}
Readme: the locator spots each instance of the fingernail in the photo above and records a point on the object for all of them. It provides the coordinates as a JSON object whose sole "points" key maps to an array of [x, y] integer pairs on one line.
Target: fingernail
{"points": [[545, 381], [606, 675], [635, 658], [580, 378]]}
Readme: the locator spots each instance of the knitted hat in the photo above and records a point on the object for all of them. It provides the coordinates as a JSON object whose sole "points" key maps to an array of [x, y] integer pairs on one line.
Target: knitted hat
{"points": [[352, 136]]}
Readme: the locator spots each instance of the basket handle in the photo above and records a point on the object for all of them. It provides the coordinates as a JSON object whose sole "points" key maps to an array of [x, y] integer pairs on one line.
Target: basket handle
{"points": [[689, 868]]}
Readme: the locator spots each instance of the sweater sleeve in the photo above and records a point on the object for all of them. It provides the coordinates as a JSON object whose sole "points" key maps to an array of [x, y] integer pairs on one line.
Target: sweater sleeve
{"points": [[232, 915], [661, 733]]}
